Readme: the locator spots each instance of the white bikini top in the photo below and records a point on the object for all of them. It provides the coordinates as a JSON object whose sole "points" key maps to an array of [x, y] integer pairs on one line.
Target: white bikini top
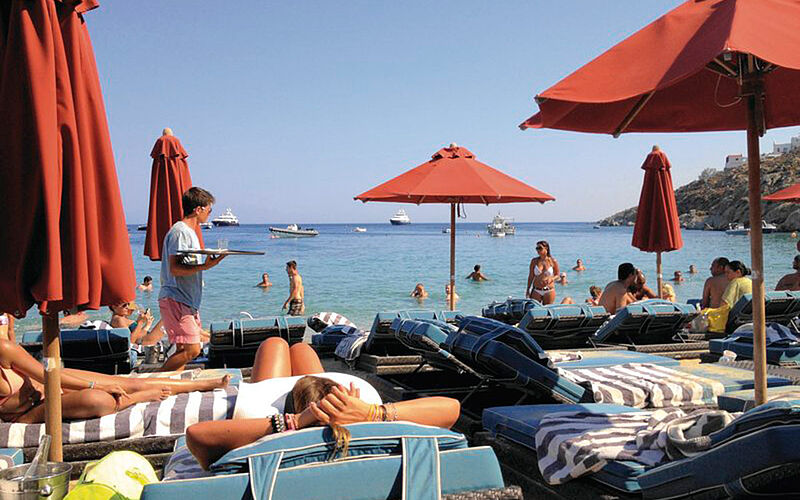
{"points": [[547, 272]]}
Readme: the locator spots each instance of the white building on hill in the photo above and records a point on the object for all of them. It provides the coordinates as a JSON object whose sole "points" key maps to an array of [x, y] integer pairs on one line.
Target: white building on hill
{"points": [[738, 160]]}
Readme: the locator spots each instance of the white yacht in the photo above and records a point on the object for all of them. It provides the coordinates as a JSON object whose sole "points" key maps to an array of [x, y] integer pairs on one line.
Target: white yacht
{"points": [[400, 218], [293, 231], [226, 219], [501, 226]]}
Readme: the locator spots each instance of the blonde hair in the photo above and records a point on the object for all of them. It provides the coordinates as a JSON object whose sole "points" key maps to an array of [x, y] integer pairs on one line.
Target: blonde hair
{"points": [[310, 389]]}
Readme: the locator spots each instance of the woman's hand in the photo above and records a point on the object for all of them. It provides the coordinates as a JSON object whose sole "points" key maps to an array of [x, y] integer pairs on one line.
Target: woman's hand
{"points": [[342, 406], [115, 390]]}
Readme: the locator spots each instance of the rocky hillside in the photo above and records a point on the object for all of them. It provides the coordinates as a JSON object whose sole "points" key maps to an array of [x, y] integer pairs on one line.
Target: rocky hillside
{"points": [[718, 198]]}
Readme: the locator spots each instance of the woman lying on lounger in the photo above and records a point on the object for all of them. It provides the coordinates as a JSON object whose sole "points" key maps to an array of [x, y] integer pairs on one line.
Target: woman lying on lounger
{"points": [[287, 393], [85, 394]]}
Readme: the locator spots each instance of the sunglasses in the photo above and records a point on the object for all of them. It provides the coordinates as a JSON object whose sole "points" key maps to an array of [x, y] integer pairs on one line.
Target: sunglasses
{"points": [[539, 248]]}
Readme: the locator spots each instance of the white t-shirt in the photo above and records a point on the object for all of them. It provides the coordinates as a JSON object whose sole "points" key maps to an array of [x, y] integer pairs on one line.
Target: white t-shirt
{"points": [[268, 397]]}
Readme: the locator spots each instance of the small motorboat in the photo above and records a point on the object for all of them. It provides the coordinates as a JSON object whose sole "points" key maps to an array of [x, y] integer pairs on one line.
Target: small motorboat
{"points": [[293, 231], [737, 229], [141, 227], [595, 227], [446, 230], [767, 228], [206, 225], [360, 229]]}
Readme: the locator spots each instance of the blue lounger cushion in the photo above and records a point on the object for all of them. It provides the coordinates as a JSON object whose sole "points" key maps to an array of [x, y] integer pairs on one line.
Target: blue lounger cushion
{"points": [[779, 307], [510, 311], [382, 341], [647, 322], [783, 346], [386, 460], [736, 401], [420, 335], [332, 335], [733, 379], [9, 457], [594, 359], [563, 325]]}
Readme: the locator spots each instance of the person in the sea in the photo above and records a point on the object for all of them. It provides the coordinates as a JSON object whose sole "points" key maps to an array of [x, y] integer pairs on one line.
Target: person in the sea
{"points": [[182, 279], [291, 391], [715, 286], [456, 297], [296, 301], [678, 277], [477, 274], [579, 266], [594, 295], [692, 269], [668, 292], [791, 281], [7, 327], [542, 274], [146, 285], [265, 282], [562, 278], [615, 295], [85, 394], [419, 292], [738, 285], [639, 290]]}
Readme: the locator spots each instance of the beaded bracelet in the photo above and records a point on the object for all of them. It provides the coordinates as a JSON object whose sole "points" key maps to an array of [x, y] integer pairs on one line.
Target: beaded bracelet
{"points": [[278, 423], [393, 418]]}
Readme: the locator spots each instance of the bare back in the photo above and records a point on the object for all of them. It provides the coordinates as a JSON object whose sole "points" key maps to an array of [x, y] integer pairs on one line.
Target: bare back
{"points": [[790, 282], [713, 289], [614, 297]]}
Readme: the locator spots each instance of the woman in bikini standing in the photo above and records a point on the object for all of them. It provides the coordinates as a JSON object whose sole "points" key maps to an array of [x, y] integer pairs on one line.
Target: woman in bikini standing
{"points": [[542, 275]]}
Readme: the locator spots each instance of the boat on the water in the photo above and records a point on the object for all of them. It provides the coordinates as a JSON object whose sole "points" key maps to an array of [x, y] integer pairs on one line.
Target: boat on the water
{"points": [[226, 219], [501, 224], [400, 218], [293, 231], [359, 229], [737, 229], [206, 225], [767, 228], [446, 230], [141, 227]]}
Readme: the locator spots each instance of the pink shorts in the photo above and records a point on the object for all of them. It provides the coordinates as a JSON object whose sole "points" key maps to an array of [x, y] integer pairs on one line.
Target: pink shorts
{"points": [[181, 322]]}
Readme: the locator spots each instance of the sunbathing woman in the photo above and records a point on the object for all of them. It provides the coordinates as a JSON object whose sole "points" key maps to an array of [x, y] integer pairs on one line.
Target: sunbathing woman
{"points": [[293, 399], [542, 275], [85, 394]]}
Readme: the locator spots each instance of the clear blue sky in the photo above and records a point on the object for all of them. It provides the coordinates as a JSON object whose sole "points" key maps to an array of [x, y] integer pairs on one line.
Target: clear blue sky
{"points": [[289, 109]]}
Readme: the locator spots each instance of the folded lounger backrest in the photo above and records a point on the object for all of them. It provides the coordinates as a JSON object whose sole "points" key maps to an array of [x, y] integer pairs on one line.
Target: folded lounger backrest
{"points": [[511, 356], [783, 346], [382, 341], [100, 350], [779, 307], [510, 311], [653, 321], [235, 342], [384, 460], [563, 325]]}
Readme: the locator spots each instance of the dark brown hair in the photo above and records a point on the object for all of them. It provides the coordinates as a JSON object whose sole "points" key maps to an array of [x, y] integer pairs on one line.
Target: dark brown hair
{"points": [[310, 389], [546, 245], [292, 264], [196, 197]]}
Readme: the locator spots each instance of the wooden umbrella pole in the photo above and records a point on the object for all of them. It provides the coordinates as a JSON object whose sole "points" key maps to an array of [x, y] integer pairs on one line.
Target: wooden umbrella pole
{"points": [[452, 298], [756, 249], [52, 383], [659, 277]]}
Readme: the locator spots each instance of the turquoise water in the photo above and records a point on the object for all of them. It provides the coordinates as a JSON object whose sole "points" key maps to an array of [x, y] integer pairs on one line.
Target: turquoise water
{"points": [[359, 274]]}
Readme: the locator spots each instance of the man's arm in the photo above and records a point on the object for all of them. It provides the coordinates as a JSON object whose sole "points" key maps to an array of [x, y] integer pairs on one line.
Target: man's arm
{"points": [[292, 286], [783, 284], [178, 268]]}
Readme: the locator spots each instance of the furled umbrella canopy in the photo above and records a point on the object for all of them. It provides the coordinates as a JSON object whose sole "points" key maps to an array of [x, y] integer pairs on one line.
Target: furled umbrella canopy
{"points": [[454, 176], [791, 193], [657, 227], [65, 244], [706, 65], [169, 179]]}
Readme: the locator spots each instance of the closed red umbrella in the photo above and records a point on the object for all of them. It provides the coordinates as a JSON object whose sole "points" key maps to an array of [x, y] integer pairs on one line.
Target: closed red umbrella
{"points": [[705, 65], [65, 243], [657, 227], [169, 179], [791, 193], [454, 176]]}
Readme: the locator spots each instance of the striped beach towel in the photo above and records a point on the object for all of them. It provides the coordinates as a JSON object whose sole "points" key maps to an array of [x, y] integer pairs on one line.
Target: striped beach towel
{"points": [[564, 356], [349, 348], [319, 321], [160, 418], [572, 444], [644, 385]]}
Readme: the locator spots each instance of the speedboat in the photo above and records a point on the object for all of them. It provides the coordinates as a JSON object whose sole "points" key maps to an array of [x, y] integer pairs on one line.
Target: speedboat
{"points": [[359, 229], [141, 227], [226, 219], [206, 225], [767, 228], [400, 218], [293, 231], [737, 229], [501, 224], [446, 230]]}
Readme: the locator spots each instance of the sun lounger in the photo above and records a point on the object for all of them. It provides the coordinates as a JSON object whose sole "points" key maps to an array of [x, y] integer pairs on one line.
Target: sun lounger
{"points": [[780, 307], [646, 323], [563, 325], [9, 457], [382, 342], [736, 401], [99, 350], [765, 436], [510, 311], [234, 343], [783, 346], [386, 460]]}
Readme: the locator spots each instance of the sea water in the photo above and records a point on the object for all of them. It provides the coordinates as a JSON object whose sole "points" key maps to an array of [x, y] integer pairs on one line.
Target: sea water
{"points": [[360, 274]]}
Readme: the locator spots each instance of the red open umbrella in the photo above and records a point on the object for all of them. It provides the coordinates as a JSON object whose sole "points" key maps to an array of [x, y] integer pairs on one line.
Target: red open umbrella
{"points": [[705, 65], [169, 179], [454, 176], [791, 193], [65, 243], [657, 228]]}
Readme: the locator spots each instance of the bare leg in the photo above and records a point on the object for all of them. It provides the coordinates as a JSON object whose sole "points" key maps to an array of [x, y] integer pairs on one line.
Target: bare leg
{"points": [[272, 360], [184, 354], [304, 360], [132, 384], [92, 403]]}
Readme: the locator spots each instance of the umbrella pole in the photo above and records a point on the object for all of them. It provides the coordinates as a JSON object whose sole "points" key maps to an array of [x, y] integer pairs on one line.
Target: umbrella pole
{"points": [[452, 299], [52, 383], [756, 249], [659, 277]]}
